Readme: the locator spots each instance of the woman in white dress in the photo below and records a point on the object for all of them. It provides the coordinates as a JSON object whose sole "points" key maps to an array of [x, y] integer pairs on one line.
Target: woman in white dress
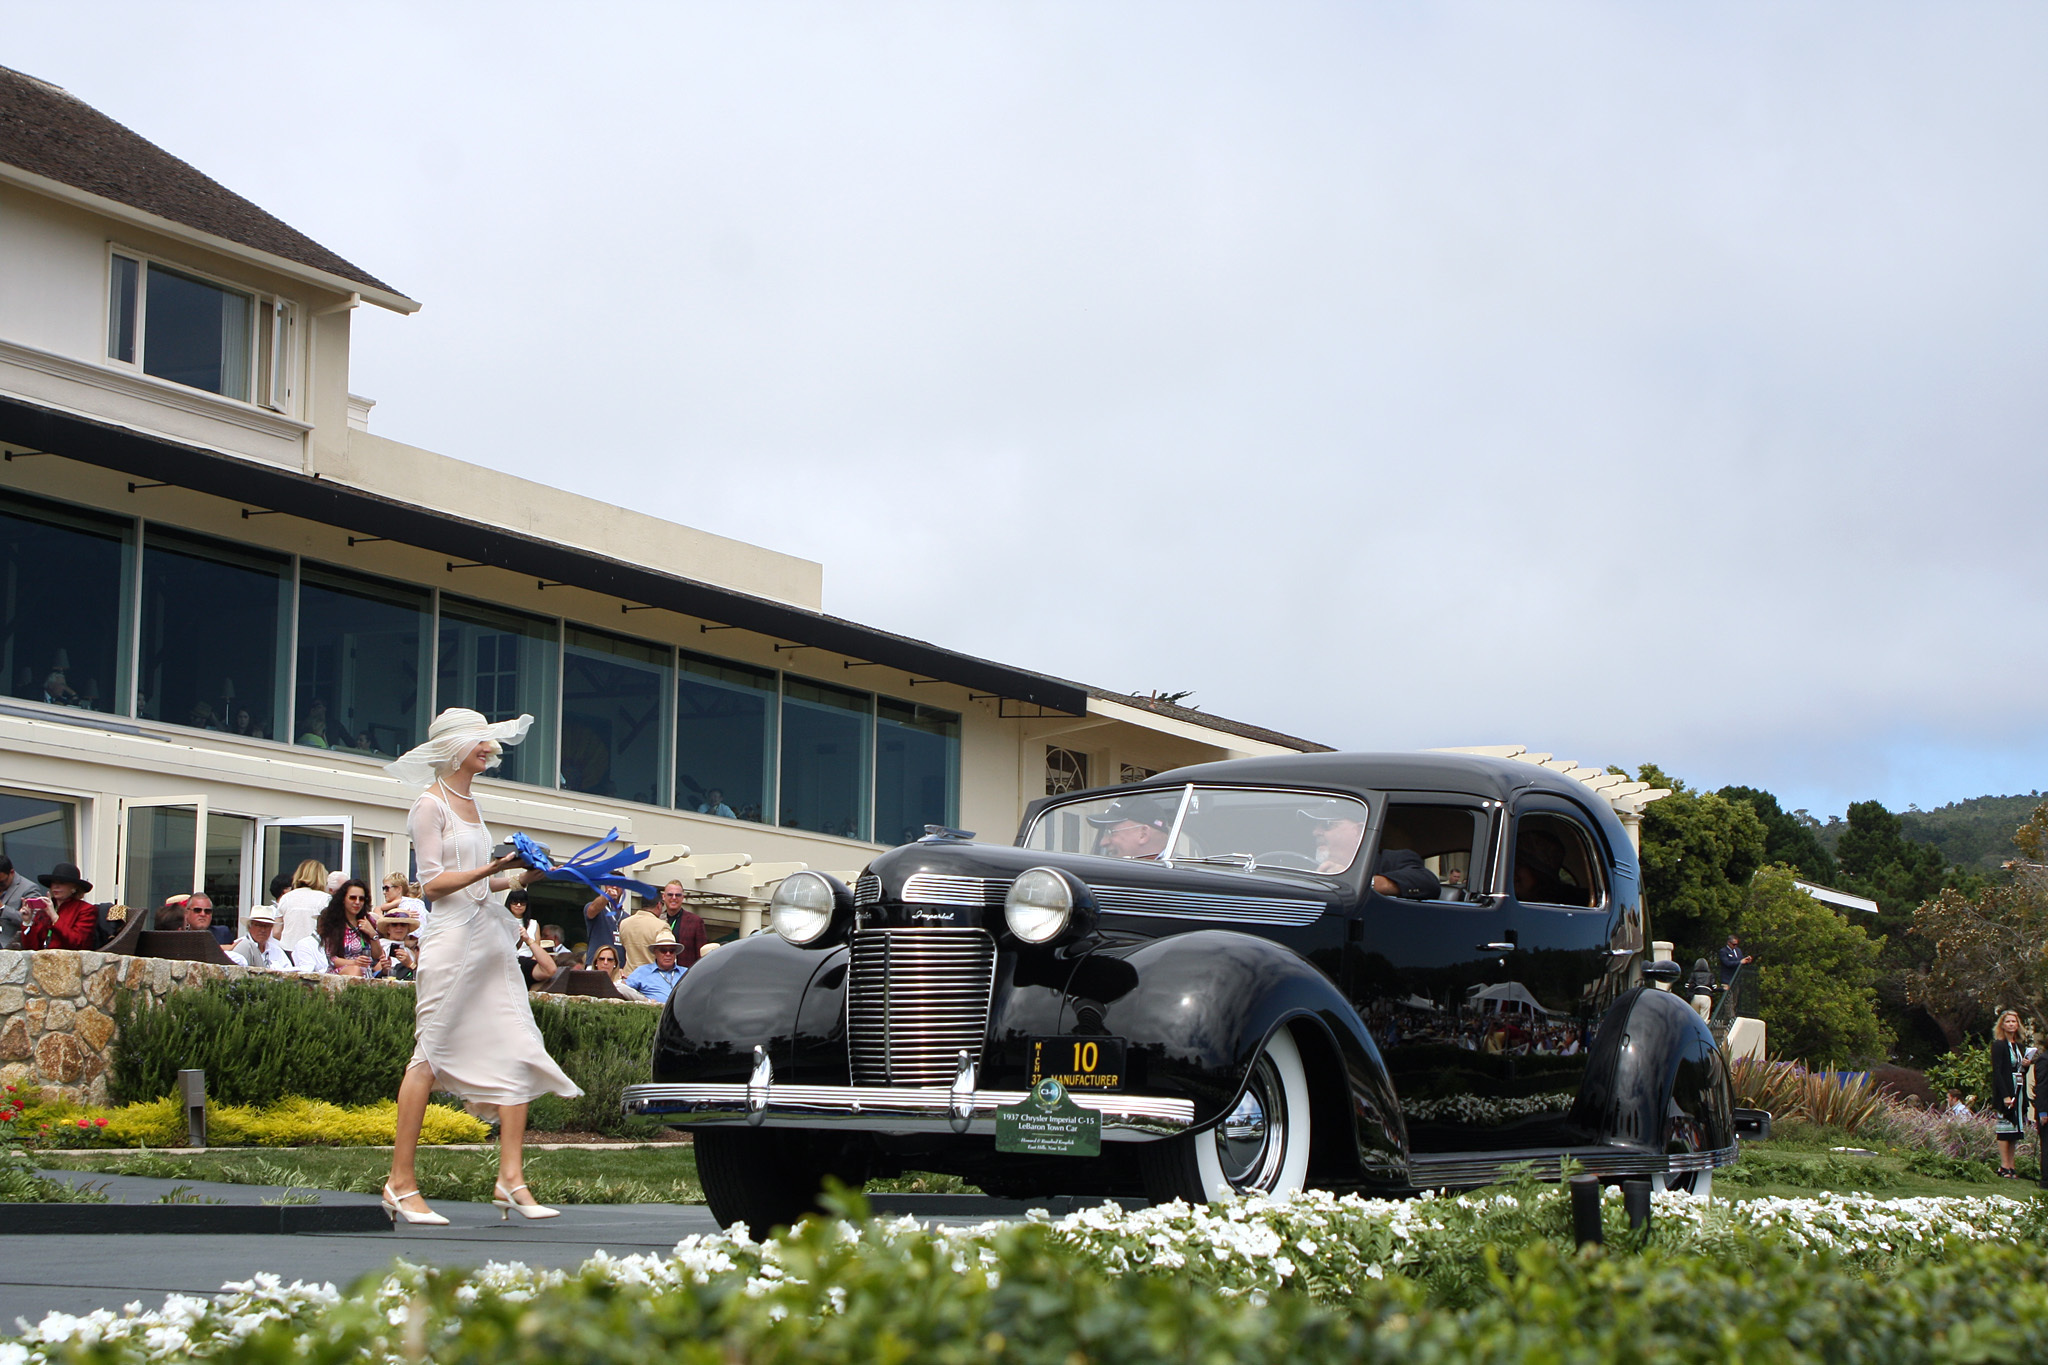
{"points": [[473, 1027]]}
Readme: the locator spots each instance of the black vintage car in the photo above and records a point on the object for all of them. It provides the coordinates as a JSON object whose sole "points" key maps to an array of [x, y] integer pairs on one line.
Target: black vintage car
{"points": [[1375, 972]]}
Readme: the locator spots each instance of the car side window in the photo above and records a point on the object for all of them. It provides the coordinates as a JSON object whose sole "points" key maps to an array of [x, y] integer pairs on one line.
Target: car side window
{"points": [[1554, 862], [1445, 839]]}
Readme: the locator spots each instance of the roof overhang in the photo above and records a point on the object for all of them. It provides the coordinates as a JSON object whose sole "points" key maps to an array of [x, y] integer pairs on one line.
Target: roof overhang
{"points": [[1829, 896], [221, 246], [353, 509]]}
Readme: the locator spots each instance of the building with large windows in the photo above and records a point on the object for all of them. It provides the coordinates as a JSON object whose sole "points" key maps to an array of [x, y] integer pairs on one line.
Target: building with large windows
{"points": [[224, 601]]}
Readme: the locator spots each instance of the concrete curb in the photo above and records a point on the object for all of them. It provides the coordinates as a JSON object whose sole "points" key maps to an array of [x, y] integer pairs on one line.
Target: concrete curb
{"points": [[99, 1220]]}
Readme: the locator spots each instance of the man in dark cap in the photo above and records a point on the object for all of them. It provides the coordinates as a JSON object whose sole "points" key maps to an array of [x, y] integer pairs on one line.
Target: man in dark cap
{"points": [[1134, 827], [1340, 830]]}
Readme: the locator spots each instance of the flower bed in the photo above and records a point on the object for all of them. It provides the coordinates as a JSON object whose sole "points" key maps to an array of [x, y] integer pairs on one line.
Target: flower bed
{"points": [[1481, 1277]]}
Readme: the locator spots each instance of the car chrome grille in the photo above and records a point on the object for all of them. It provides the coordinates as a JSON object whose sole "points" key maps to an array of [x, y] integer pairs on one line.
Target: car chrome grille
{"points": [[917, 998]]}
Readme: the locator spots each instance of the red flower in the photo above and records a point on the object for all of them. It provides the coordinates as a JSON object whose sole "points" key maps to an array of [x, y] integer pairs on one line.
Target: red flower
{"points": [[99, 1123], [85, 1123]]}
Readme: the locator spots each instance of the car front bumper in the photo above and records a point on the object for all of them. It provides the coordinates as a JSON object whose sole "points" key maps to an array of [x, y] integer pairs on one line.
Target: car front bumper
{"points": [[963, 1109]]}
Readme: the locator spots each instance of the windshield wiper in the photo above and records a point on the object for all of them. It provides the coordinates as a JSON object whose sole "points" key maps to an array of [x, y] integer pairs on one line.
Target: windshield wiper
{"points": [[1244, 860]]}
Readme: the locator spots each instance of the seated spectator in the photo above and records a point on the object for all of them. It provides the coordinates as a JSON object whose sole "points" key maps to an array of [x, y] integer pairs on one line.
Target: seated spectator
{"points": [[405, 958], [714, 804], [258, 946], [401, 909], [64, 918], [606, 960], [536, 963], [170, 915], [13, 890], [343, 943], [657, 979], [199, 915], [298, 908]]}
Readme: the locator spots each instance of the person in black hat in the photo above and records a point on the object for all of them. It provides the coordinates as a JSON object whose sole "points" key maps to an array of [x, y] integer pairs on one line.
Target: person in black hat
{"points": [[64, 918], [1134, 827]]}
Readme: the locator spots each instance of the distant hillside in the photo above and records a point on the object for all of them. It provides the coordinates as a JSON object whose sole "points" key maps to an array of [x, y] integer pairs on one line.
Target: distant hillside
{"points": [[1977, 833]]}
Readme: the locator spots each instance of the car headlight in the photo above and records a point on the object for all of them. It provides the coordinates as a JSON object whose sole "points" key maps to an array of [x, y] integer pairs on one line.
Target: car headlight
{"points": [[1040, 905], [801, 908]]}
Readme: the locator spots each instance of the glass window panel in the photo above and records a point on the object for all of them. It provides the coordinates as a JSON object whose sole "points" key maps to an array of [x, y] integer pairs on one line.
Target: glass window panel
{"points": [[917, 769], [614, 733], [825, 735], [121, 300], [505, 665], [159, 855], [196, 333], [213, 634], [363, 663], [285, 846], [725, 738], [37, 833], [63, 588], [227, 840]]}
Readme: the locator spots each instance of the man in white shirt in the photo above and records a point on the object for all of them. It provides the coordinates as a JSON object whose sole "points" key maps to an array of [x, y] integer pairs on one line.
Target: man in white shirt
{"points": [[258, 946]]}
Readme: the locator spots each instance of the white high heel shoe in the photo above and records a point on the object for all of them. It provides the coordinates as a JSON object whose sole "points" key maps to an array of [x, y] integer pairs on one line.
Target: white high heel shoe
{"points": [[507, 1205], [395, 1209]]}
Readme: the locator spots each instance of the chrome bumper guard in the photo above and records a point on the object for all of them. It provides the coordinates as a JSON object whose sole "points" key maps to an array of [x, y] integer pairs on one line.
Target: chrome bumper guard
{"points": [[959, 1108]]}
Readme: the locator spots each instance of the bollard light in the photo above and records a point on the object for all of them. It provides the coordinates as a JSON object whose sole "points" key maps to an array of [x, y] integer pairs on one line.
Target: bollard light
{"points": [[1586, 1210], [1635, 1197], [192, 1087]]}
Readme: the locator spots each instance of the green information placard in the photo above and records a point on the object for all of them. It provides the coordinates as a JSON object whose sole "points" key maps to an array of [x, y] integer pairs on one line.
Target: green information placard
{"points": [[1049, 1123]]}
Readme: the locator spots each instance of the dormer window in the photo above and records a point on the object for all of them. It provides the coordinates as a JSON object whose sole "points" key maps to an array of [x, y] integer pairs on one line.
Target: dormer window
{"points": [[176, 325]]}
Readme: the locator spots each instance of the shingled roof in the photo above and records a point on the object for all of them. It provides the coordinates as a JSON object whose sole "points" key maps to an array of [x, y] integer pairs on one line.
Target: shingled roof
{"points": [[50, 132]]}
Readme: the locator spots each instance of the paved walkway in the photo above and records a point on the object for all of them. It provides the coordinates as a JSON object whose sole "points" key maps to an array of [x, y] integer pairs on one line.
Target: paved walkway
{"points": [[77, 1275]]}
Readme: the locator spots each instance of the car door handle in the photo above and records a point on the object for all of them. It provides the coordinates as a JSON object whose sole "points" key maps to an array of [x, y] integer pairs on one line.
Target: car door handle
{"points": [[1496, 947]]}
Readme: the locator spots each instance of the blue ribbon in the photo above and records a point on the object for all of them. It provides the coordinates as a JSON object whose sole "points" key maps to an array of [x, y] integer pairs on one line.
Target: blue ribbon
{"points": [[591, 866]]}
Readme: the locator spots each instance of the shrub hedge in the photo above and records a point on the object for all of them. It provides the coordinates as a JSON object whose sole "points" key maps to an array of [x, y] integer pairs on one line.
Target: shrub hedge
{"points": [[260, 1041], [878, 1292], [289, 1122]]}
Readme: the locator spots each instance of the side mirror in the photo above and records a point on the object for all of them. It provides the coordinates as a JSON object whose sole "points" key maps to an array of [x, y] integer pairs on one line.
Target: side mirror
{"points": [[1666, 972]]}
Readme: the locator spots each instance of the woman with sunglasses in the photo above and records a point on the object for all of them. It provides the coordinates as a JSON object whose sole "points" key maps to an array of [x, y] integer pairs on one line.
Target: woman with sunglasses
{"points": [[343, 942]]}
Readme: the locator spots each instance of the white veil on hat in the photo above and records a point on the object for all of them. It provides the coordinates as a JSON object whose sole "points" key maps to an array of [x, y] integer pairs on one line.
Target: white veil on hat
{"points": [[449, 739]]}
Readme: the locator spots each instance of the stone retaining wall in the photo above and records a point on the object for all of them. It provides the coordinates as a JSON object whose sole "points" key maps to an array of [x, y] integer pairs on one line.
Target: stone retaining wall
{"points": [[57, 1011]]}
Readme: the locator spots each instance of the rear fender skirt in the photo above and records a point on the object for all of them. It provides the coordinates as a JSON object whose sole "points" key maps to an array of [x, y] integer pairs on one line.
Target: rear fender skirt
{"points": [[1656, 1077]]}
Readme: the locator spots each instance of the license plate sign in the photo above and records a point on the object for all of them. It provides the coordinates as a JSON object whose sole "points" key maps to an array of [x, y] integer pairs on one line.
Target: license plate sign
{"points": [[1077, 1063]]}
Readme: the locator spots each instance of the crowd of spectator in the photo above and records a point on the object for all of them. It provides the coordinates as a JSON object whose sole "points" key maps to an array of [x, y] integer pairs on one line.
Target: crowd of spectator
{"points": [[318, 921]]}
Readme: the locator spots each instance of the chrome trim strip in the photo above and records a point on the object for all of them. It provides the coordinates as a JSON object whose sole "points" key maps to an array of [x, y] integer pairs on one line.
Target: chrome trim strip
{"points": [[1206, 905], [890, 1109], [1466, 1169], [946, 888]]}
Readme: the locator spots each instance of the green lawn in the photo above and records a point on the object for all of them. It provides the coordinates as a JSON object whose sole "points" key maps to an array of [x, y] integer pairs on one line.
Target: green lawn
{"points": [[667, 1173]]}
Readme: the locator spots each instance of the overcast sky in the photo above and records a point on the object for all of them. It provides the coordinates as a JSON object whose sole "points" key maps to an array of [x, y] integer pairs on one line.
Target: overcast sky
{"points": [[1634, 382]]}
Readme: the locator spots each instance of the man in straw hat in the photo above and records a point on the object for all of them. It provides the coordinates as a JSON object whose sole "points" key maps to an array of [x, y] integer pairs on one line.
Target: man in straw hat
{"points": [[657, 979]]}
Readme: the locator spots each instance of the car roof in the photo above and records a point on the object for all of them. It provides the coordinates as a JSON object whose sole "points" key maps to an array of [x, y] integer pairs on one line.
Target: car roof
{"points": [[1471, 774]]}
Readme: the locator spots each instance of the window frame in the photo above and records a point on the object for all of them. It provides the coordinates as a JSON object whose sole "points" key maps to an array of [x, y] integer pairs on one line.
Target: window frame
{"points": [[1598, 855], [274, 350]]}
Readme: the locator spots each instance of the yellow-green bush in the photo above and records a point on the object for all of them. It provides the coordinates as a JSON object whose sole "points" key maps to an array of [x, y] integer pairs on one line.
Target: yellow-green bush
{"points": [[290, 1122]]}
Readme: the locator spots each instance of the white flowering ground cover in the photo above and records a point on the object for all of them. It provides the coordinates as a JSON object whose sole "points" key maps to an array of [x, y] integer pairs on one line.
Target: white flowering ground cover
{"points": [[1324, 1245]]}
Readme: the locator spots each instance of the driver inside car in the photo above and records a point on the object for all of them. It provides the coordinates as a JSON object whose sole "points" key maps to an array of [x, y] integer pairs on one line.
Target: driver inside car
{"points": [[1133, 827], [1398, 871]]}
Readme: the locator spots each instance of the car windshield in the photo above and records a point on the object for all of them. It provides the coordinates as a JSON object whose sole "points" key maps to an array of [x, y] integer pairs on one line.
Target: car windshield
{"points": [[1251, 830]]}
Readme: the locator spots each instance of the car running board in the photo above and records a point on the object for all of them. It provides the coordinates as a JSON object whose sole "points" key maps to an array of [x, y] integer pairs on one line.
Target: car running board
{"points": [[1463, 1170]]}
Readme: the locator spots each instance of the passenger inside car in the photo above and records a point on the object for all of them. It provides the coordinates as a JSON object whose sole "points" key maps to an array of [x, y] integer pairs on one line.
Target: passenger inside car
{"points": [[1396, 872], [1550, 863]]}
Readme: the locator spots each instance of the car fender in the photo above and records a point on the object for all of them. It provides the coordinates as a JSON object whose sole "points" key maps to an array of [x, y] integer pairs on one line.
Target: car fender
{"points": [[1656, 1078], [745, 995], [1195, 1011]]}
